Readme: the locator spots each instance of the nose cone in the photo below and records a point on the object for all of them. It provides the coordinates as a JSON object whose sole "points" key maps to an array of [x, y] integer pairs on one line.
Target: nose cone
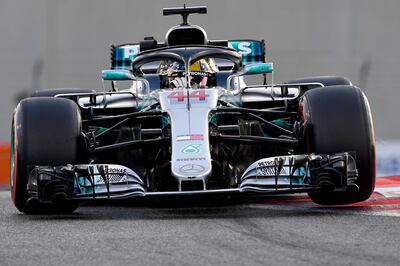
{"points": [[191, 158]]}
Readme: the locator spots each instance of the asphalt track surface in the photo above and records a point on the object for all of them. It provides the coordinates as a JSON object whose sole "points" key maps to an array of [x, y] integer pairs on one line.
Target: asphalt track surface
{"points": [[276, 231]]}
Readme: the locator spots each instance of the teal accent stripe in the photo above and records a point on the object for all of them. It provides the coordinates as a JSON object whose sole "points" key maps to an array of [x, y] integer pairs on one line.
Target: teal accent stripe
{"points": [[100, 130]]}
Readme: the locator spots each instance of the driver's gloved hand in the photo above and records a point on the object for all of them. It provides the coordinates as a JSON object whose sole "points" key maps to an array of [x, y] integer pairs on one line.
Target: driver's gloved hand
{"points": [[179, 82]]}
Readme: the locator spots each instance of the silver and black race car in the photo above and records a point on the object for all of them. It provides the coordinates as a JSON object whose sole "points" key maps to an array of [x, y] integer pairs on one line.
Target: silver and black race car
{"points": [[186, 124]]}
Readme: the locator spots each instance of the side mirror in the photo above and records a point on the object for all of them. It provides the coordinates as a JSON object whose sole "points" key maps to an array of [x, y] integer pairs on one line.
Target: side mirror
{"points": [[250, 69], [257, 68], [117, 74]]}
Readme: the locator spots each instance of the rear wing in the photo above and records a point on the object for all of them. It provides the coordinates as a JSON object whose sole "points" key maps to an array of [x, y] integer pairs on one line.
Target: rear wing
{"points": [[123, 55], [252, 51]]}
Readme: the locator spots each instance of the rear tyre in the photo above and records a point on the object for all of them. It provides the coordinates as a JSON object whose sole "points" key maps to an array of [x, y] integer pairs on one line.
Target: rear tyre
{"points": [[324, 80], [45, 131], [54, 92], [338, 119]]}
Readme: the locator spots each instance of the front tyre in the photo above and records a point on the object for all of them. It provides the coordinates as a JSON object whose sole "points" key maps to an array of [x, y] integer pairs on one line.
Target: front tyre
{"points": [[45, 131], [338, 119]]}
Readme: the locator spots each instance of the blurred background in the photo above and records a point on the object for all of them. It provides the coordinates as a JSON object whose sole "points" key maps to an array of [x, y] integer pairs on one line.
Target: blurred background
{"points": [[65, 43]]}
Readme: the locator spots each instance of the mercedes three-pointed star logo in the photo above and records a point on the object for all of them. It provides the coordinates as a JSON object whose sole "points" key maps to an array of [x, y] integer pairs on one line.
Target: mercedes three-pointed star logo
{"points": [[191, 169]]}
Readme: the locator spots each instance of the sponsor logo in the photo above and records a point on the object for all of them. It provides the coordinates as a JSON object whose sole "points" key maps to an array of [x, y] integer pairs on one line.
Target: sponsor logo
{"points": [[117, 171], [243, 48], [191, 159], [269, 168], [191, 149], [114, 175], [131, 52], [191, 169], [189, 137]]}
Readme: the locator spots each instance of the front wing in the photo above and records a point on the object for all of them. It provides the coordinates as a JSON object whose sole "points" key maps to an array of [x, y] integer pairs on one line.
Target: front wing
{"points": [[274, 175]]}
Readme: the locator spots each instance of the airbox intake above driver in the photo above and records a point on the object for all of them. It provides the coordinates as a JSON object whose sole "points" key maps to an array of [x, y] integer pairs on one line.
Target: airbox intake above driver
{"points": [[186, 35]]}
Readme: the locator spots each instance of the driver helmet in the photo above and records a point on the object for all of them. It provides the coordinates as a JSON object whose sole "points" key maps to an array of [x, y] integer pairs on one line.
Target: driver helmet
{"points": [[202, 72]]}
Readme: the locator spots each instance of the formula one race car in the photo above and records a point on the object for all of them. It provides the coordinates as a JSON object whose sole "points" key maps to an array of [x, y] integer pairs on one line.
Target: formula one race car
{"points": [[188, 125]]}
